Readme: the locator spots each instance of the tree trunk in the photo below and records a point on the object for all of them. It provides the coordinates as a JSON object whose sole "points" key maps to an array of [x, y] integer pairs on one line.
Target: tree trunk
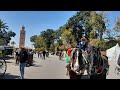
{"points": [[100, 35]]}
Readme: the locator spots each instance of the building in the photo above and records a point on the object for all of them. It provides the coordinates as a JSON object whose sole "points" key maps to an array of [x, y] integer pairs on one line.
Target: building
{"points": [[22, 37]]}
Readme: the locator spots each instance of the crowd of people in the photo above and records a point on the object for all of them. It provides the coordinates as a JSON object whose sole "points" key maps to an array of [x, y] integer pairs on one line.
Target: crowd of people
{"points": [[42, 54]]}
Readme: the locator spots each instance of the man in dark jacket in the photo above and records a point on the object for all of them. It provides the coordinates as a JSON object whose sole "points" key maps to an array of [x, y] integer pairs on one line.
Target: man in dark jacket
{"points": [[44, 53], [83, 44], [23, 58]]}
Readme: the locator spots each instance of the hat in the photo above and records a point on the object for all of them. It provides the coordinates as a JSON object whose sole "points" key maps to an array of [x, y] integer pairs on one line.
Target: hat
{"points": [[83, 39]]}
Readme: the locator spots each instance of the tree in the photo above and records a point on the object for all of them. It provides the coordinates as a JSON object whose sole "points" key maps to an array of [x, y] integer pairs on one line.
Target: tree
{"points": [[13, 43], [67, 36], [9, 35], [5, 35], [3, 26], [97, 22], [79, 24], [1, 42], [32, 38], [60, 42], [49, 37], [39, 42], [117, 24], [110, 34], [60, 31], [101, 24]]}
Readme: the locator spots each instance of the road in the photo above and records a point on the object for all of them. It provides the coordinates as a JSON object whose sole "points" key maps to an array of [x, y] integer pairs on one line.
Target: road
{"points": [[51, 68]]}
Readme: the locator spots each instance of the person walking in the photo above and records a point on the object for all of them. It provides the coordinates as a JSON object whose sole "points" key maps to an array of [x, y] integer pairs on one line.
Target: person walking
{"points": [[61, 55], [44, 53], [38, 53], [17, 57], [23, 58]]}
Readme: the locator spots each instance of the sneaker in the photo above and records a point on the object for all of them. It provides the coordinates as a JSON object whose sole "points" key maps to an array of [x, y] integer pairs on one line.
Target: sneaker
{"points": [[19, 78]]}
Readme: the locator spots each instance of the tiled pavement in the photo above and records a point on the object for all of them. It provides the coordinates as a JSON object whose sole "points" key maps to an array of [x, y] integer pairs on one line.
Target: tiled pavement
{"points": [[51, 68]]}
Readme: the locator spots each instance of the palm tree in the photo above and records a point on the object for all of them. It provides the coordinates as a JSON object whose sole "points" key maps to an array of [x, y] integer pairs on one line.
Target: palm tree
{"points": [[3, 26]]}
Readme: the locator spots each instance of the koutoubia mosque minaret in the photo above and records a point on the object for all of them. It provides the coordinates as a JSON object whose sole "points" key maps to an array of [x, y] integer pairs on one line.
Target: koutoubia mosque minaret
{"points": [[22, 37]]}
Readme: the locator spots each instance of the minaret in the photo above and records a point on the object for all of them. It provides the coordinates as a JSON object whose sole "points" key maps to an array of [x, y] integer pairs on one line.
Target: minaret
{"points": [[22, 37]]}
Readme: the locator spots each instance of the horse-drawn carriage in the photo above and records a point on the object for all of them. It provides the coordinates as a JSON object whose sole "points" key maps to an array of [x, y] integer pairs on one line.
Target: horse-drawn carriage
{"points": [[3, 65], [97, 65]]}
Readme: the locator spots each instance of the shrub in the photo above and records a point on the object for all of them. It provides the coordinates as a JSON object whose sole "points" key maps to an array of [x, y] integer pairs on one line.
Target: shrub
{"points": [[111, 43], [74, 44], [92, 42], [101, 44], [104, 45]]}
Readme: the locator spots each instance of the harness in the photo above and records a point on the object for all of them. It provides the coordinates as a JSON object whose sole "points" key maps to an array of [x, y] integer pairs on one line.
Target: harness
{"points": [[76, 67], [98, 69], [84, 58]]}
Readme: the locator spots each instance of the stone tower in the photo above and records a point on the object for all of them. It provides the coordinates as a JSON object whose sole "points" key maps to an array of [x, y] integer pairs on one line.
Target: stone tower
{"points": [[22, 37]]}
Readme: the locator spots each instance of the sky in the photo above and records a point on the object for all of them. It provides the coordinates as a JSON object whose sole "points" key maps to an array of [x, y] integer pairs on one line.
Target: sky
{"points": [[37, 21]]}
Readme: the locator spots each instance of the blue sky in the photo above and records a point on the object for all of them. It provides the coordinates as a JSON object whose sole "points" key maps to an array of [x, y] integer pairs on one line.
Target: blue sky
{"points": [[37, 21]]}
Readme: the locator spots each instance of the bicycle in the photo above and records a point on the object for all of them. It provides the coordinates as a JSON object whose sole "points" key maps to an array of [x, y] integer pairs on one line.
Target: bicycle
{"points": [[117, 71], [3, 67]]}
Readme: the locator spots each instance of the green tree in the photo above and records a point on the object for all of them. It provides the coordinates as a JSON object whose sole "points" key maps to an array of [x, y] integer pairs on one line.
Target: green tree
{"points": [[110, 34], [117, 24], [97, 22], [60, 42], [5, 33], [32, 38], [39, 41], [67, 36], [13, 43], [49, 37], [3, 26], [1, 42], [79, 24]]}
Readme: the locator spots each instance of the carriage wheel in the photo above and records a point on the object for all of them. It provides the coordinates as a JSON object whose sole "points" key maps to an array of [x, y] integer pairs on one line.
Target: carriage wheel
{"points": [[3, 67], [117, 72]]}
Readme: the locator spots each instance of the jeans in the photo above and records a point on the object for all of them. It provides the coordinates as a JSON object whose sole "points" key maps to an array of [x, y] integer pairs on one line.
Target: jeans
{"points": [[43, 57], [22, 66]]}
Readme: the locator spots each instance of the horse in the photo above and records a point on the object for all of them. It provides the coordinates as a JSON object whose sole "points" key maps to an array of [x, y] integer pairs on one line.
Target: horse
{"points": [[76, 66], [98, 64]]}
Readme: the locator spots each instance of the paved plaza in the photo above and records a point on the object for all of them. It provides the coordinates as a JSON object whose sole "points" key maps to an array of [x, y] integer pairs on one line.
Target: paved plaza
{"points": [[51, 68]]}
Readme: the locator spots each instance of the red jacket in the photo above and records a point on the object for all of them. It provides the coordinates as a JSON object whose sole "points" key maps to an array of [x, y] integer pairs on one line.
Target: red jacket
{"points": [[69, 51]]}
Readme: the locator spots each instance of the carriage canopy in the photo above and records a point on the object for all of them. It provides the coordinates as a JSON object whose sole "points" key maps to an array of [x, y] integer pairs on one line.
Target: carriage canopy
{"points": [[113, 53]]}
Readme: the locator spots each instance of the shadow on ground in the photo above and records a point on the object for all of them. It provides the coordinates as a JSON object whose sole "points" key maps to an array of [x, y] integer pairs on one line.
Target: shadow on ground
{"points": [[61, 60], [9, 57], [85, 77], [34, 65], [9, 76], [8, 62]]}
